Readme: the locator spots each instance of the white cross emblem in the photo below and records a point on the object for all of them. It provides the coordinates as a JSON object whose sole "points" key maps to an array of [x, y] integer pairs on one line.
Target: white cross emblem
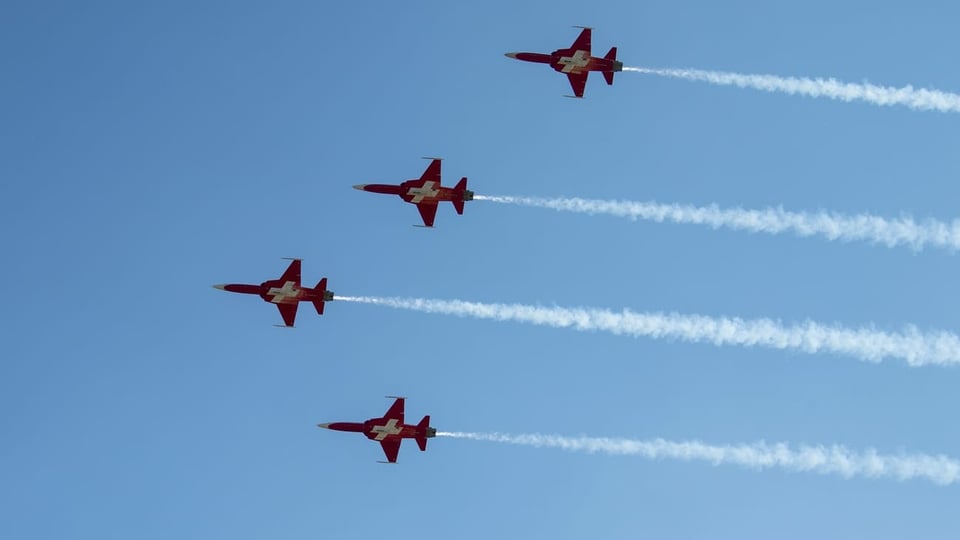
{"points": [[419, 193], [574, 63], [389, 429], [289, 291]]}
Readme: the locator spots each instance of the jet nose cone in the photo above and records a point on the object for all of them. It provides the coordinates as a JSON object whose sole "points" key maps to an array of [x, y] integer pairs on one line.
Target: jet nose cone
{"points": [[361, 187], [511, 55], [324, 426], [221, 287]]}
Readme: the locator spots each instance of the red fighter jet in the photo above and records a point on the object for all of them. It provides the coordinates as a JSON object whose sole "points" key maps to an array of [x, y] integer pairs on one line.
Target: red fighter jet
{"points": [[286, 292], [426, 192], [390, 430], [576, 62]]}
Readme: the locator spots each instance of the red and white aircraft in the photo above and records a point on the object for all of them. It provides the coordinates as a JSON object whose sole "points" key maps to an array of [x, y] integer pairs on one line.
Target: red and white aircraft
{"points": [[576, 62], [426, 192], [390, 430], [286, 292]]}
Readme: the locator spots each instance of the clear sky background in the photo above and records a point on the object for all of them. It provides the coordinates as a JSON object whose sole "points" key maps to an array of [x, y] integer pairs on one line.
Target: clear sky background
{"points": [[150, 151]]}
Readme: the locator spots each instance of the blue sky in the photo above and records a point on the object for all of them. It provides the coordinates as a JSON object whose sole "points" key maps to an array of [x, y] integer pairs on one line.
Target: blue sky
{"points": [[153, 150]]}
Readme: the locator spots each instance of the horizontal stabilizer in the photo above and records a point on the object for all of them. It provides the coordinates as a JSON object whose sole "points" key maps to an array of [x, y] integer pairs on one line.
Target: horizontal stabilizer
{"points": [[460, 194], [612, 55], [608, 75], [319, 290], [422, 429]]}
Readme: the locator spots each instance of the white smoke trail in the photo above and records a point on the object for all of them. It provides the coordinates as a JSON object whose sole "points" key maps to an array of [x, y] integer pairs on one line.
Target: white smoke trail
{"points": [[889, 232], [833, 459], [908, 96], [916, 348]]}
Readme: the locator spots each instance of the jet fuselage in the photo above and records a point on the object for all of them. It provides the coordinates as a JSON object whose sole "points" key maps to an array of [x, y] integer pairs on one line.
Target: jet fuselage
{"points": [[412, 192], [570, 61], [279, 292], [379, 429]]}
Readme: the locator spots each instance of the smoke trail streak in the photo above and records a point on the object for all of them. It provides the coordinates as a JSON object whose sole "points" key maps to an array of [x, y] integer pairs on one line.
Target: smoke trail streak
{"points": [[916, 348], [908, 96], [820, 459], [889, 232]]}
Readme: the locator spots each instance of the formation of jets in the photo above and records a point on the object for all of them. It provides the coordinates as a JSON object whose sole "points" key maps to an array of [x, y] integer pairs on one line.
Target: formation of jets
{"points": [[426, 193]]}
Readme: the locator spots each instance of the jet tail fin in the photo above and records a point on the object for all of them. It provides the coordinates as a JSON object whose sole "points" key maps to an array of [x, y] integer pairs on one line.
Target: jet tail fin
{"points": [[460, 189], [320, 290], [422, 428], [612, 55], [422, 443]]}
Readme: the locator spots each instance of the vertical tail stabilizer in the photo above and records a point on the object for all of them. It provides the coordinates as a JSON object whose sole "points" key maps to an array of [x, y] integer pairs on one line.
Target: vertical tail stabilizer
{"points": [[320, 290], [612, 55], [421, 433], [460, 191]]}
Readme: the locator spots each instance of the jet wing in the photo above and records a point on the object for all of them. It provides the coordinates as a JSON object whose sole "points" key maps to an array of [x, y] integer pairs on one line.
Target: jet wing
{"points": [[428, 211], [395, 412], [390, 449], [288, 311], [578, 81], [432, 174], [292, 273], [583, 41]]}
